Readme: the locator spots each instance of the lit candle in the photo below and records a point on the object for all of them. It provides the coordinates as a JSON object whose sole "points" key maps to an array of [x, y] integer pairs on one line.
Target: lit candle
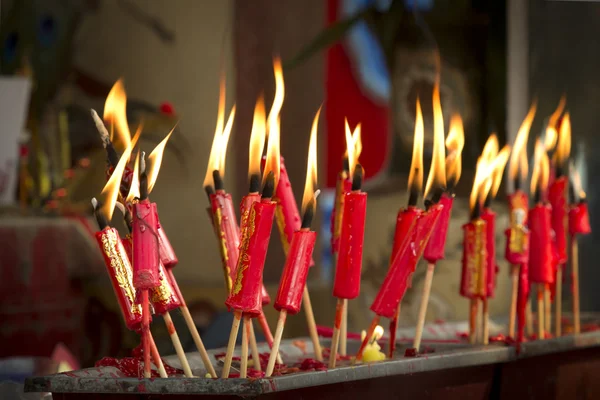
{"points": [[517, 234], [541, 251]]}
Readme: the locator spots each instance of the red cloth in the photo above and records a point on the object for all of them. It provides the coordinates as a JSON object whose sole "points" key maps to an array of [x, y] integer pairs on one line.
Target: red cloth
{"points": [[344, 98]]}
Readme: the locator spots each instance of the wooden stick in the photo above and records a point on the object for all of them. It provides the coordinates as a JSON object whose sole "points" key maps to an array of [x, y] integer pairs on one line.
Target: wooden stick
{"points": [[339, 310], [423, 305], [479, 322], [473, 322], [254, 347], [575, 271], [486, 321], [276, 342], [235, 327], [558, 303], [244, 356], [189, 321], [187, 371], [157, 360], [540, 311], [312, 325], [264, 326], [548, 308], [344, 329], [529, 318], [370, 332], [393, 330], [512, 319], [146, 333]]}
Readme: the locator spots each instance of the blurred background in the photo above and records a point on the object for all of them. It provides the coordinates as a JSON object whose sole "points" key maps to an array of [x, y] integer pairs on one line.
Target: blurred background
{"points": [[367, 60]]}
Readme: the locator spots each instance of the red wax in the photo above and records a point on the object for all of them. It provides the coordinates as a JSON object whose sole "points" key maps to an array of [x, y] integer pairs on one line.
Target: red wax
{"points": [[246, 289], [557, 196], [522, 297], [473, 282], [349, 262], [579, 219], [145, 246], [343, 185], [245, 207], [490, 222], [227, 231], [434, 250], [540, 242], [517, 251], [405, 221], [121, 275], [165, 250], [164, 298], [293, 279], [517, 208], [397, 280]]}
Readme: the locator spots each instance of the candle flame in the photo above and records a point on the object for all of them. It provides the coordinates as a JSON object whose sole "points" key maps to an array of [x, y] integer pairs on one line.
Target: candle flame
{"points": [[308, 199], [111, 189], [518, 158], [273, 124], [490, 149], [357, 140], [115, 112], [437, 172], [563, 149], [498, 169], [350, 149], [552, 128], [257, 137], [455, 142], [134, 189], [155, 160], [216, 159], [377, 333], [415, 177], [576, 181], [479, 183], [541, 169]]}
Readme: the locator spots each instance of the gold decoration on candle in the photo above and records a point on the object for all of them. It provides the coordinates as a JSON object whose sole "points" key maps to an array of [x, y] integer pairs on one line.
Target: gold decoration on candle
{"points": [[217, 221], [244, 259], [162, 294]]}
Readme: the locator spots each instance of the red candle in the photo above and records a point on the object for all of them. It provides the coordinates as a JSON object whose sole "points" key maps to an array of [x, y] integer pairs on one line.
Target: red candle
{"points": [[145, 246], [293, 280], [226, 227], [405, 221], [517, 245], [245, 292], [579, 219], [557, 196], [489, 217], [540, 254], [343, 185], [245, 207], [522, 298], [121, 276], [165, 250], [349, 263], [397, 280], [473, 283], [434, 251]]}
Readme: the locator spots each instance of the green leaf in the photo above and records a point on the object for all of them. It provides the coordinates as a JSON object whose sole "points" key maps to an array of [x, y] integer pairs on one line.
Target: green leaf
{"points": [[325, 39]]}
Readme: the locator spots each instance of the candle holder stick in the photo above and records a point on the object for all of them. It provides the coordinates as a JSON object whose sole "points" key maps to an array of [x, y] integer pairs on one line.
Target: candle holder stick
{"points": [[558, 303], [235, 327], [146, 333], [339, 310], [276, 342], [423, 305], [312, 325], [393, 330], [575, 272], [244, 355], [540, 311], [529, 318], [365, 341], [156, 356], [548, 308], [514, 279], [473, 321], [254, 347], [486, 321], [344, 329], [185, 365]]}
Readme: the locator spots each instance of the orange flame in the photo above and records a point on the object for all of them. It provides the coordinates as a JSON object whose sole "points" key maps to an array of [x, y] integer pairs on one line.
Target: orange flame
{"points": [[216, 149], [357, 139], [437, 172], [155, 160], [455, 142], [518, 158], [415, 177], [308, 199], [225, 140], [350, 149], [498, 169], [257, 137], [115, 111], [576, 181], [134, 189], [111, 189], [490, 149], [551, 129], [479, 191], [541, 169], [563, 149], [273, 124]]}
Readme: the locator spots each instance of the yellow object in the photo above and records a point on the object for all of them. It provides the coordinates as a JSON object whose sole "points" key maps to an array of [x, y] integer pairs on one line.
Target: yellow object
{"points": [[372, 351]]}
